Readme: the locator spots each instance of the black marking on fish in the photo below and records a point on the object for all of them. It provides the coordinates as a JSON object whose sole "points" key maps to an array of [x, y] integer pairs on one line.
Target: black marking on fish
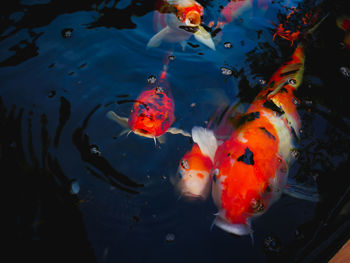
{"points": [[248, 117], [268, 189], [269, 104], [289, 72], [284, 90], [191, 29], [247, 157], [214, 178], [267, 133], [193, 45]]}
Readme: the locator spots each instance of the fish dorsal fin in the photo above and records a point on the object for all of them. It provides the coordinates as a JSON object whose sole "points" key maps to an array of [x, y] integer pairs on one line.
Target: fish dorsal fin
{"points": [[206, 141], [158, 38], [122, 121], [204, 37], [174, 130]]}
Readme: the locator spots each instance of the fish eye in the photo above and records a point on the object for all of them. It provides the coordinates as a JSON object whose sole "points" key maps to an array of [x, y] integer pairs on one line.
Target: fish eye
{"points": [[292, 82], [184, 164]]}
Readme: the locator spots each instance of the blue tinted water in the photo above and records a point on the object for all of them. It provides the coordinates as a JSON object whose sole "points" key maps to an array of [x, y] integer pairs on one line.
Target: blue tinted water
{"points": [[125, 204]]}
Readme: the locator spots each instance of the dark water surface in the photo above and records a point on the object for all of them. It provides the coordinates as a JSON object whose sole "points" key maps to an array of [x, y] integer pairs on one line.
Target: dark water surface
{"points": [[108, 198]]}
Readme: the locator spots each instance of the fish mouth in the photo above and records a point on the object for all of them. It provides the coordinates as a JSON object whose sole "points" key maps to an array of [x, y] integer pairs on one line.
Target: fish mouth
{"points": [[192, 196], [236, 229], [193, 18], [143, 133], [190, 29]]}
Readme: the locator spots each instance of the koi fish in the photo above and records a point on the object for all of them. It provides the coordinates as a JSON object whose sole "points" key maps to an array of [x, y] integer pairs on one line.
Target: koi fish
{"points": [[236, 7], [193, 175], [343, 23], [250, 169], [180, 19], [302, 28], [152, 113]]}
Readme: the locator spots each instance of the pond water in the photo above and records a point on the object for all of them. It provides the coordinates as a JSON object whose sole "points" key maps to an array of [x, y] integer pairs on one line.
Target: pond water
{"points": [[107, 197]]}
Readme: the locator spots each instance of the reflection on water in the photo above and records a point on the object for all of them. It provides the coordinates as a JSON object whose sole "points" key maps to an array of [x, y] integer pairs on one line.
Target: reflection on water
{"points": [[107, 198]]}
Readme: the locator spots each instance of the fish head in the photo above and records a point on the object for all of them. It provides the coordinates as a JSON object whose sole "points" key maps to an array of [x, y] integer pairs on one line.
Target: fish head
{"points": [[193, 18], [152, 113], [190, 13], [192, 179]]}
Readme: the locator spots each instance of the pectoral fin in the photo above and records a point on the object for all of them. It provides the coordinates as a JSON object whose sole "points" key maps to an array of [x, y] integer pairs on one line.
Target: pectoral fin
{"points": [[122, 121], [204, 37], [161, 139], [157, 39], [173, 130]]}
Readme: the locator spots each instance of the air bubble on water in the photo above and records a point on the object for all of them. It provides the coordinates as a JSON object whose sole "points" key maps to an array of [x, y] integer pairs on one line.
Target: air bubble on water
{"points": [[226, 71], [227, 45], [193, 104], [151, 79], [74, 187], [170, 237], [262, 81], [272, 244], [345, 72], [94, 150], [295, 153], [295, 101], [67, 32], [171, 57]]}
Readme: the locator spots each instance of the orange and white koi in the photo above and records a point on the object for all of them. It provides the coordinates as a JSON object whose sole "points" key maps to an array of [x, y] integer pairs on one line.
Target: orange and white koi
{"points": [[152, 113], [343, 23], [193, 175], [179, 20], [250, 169]]}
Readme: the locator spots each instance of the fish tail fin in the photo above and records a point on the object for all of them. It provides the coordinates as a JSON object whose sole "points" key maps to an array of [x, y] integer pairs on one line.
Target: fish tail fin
{"points": [[206, 141]]}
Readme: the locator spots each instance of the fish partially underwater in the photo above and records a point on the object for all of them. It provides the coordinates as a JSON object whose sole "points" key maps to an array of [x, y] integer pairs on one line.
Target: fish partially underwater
{"points": [[177, 21], [343, 22], [152, 113], [250, 169], [192, 180]]}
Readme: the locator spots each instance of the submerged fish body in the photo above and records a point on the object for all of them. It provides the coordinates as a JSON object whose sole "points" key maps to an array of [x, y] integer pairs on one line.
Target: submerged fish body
{"points": [[343, 22], [250, 168], [152, 113], [177, 21], [192, 180]]}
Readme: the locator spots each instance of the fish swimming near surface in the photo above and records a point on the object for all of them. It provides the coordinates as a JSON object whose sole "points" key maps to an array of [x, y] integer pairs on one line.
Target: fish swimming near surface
{"points": [[177, 21], [250, 169], [235, 8], [192, 180], [152, 113], [343, 22]]}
